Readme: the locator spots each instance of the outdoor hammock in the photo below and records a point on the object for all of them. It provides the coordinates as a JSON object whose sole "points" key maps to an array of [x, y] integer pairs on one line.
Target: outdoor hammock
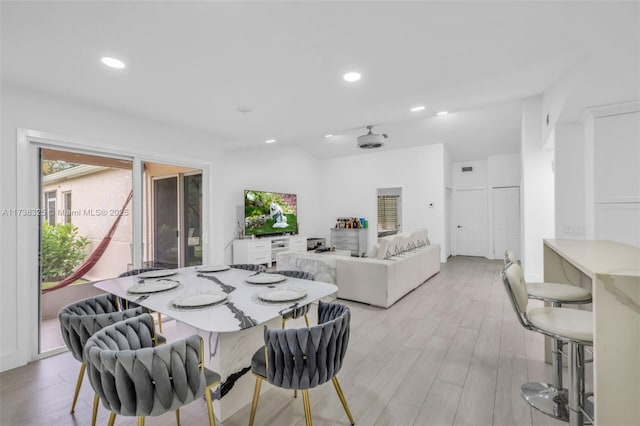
{"points": [[95, 256]]}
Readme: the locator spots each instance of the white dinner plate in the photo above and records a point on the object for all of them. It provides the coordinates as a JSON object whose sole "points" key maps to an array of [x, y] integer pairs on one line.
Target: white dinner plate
{"points": [[153, 287], [198, 300], [283, 294], [265, 278], [158, 273], [212, 268]]}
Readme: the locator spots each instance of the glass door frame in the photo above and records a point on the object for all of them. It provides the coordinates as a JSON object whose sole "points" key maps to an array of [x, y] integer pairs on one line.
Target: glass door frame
{"points": [[29, 199]]}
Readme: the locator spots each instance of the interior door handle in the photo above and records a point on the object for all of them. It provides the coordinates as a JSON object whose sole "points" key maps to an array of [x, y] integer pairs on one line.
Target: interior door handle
{"points": [[459, 226]]}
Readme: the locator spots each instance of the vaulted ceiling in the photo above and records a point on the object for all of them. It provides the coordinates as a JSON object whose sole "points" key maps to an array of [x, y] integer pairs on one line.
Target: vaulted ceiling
{"points": [[196, 63]]}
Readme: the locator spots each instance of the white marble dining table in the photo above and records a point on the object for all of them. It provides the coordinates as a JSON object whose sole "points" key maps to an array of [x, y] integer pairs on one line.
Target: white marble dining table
{"points": [[232, 330]]}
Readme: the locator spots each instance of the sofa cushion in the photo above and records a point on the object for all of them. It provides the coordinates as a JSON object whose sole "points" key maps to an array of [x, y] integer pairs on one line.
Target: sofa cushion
{"points": [[383, 246], [421, 237], [405, 242], [373, 251]]}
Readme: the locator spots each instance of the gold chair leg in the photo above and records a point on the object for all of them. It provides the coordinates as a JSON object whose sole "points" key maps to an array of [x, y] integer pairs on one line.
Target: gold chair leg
{"points": [[254, 404], [336, 384], [207, 395], [140, 420], [112, 419], [94, 415], [160, 322], [307, 407], [178, 417], [78, 384], [306, 320]]}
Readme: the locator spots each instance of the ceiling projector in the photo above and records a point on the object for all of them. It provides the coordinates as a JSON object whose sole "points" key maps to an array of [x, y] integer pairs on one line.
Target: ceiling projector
{"points": [[371, 140]]}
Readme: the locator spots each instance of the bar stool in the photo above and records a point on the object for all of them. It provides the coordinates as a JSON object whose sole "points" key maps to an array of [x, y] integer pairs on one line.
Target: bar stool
{"points": [[551, 399], [570, 326]]}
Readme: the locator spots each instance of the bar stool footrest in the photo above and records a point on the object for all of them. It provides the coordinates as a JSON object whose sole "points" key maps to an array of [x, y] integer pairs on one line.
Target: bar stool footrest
{"points": [[547, 399], [588, 410]]}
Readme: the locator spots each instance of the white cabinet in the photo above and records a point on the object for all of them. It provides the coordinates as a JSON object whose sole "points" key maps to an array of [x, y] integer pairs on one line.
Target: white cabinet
{"points": [[252, 251], [354, 240], [616, 174], [264, 250]]}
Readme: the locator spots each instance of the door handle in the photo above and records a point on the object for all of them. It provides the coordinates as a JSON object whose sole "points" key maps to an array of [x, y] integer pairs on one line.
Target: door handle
{"points": [[459, 226]]}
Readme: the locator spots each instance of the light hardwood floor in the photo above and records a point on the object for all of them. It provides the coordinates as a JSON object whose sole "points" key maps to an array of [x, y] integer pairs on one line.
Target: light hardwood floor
{"points": [[449, 353]]}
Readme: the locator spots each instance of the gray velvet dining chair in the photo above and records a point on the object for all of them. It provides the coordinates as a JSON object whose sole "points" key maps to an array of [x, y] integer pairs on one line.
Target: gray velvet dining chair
{"points": [[249, 267], [297, 311], [82, 319], [132, 377], [304, 358]]}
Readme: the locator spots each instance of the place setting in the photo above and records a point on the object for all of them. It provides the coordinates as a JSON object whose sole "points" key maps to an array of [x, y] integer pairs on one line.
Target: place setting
{"points": [[198, 301], [208, 269], [154, 281], [279, 295], [265, 278]]}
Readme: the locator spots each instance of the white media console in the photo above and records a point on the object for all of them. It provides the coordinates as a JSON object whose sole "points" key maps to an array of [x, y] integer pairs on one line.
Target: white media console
{"points": [[264, 250]]}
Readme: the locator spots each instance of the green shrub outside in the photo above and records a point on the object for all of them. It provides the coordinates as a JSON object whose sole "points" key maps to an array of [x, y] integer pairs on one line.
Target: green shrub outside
{"points": [[62, 250]]}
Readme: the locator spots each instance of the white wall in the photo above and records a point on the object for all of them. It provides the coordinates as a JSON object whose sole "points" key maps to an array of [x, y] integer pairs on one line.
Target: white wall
{"points": [[502, 171], [96, 128], [272, 168], [537, 189], [570, 181], [475, 179], [349, 184]]}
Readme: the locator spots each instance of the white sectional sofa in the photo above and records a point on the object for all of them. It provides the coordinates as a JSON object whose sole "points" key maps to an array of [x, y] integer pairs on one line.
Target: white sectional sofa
{"points": [[395, 266], [382, 282]]}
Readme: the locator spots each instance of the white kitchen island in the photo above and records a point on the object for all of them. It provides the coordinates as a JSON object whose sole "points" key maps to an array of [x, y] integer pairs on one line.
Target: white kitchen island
{"points": [[611, 271]]}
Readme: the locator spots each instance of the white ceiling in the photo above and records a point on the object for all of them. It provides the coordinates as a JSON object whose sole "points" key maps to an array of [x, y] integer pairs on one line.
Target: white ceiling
{"points": [[194, 63]]}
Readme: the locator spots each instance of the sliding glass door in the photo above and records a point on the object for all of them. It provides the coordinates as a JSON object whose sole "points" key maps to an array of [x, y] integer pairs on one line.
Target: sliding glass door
{"points": [[174, 216], [192, 208], [166, 232], [85, 230]]}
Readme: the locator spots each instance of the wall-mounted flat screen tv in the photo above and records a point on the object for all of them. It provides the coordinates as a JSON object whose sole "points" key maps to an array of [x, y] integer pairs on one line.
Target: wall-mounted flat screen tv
{"points": [[270, 213]]}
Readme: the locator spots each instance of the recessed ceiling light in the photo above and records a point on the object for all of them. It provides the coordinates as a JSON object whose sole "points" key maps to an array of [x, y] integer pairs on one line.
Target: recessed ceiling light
{"points": [[443, 113], [352, 76], [113, 62], [418, 108], [328, 136], [270, 141]]}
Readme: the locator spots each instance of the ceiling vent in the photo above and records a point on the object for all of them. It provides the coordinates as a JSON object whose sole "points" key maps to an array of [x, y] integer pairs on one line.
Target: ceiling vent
{"points": [[371, 140]]}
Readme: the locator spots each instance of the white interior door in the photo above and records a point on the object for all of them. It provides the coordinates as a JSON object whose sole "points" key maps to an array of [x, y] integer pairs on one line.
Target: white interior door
{"points": [[506, 221], [470, 225], [447, 221]]}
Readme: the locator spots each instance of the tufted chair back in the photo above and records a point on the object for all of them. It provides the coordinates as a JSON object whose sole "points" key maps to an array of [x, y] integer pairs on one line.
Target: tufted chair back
{"points": [[80, 320], [132, 378], [307, 357], [249, 267], [297, 274], [136, 272]]}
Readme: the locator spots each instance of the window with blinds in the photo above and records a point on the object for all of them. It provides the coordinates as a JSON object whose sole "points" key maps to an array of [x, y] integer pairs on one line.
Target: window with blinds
{"points": [[387, 213]]}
